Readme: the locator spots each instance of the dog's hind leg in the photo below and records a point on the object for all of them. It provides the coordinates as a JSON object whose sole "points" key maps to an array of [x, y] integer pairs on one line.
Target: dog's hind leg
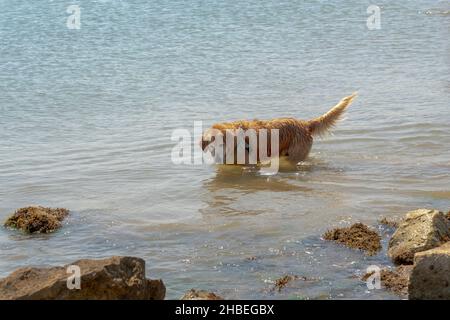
{"points": [[299, 149]]}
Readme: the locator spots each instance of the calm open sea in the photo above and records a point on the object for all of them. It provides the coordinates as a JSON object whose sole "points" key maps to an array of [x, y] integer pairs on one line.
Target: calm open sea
{"points": [[86, 118]]}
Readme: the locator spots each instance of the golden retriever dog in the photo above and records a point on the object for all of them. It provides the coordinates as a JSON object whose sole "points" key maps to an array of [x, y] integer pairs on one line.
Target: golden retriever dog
{"points": [[295, 136]]}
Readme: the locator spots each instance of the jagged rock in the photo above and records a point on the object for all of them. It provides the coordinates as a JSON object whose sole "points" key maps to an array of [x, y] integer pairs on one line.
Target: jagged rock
{"points": [[200, 295], [421, 230], [111, 278], [37, 219], [358, 236], [430, 278]]}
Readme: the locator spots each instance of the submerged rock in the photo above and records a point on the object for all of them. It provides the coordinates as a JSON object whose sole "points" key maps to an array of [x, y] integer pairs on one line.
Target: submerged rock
{"points": [[358, 236], [283, 282], [395, 280], [430, 278], [200, 295], [421, 230], [112, 278], [37, 219], [389, 222], [286, 280]]}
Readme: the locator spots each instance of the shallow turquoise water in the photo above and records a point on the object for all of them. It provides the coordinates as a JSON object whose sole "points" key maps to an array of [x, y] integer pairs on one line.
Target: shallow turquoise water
{"points": [[87, 117]]}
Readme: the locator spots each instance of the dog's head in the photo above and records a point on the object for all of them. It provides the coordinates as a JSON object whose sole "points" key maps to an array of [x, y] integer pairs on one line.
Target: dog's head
{"points": [[223, 145], [211, 139]]}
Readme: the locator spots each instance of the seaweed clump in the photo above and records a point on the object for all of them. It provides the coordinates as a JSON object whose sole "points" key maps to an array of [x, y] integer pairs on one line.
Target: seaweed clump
{"points": [[357, 236], [37, 219], [395, 280]]}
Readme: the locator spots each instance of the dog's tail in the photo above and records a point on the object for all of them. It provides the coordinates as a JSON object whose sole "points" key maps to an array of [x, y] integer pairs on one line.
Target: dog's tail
{"points": [[323, 124]]}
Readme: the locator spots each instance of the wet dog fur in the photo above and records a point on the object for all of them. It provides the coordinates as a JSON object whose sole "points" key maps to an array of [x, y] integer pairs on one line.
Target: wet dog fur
{"points": [[295, 135]]}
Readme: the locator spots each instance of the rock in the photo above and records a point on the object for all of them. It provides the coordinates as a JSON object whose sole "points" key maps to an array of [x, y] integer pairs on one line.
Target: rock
{"points": [[111, 278], [284, 281], [389, 222], [37, 219], [430, 278], [421, 230], [395, 280], [200, 295], [358, 236]]}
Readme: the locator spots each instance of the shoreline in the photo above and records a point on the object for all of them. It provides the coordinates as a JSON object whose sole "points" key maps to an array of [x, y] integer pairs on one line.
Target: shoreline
{"points": [[292, 281]]}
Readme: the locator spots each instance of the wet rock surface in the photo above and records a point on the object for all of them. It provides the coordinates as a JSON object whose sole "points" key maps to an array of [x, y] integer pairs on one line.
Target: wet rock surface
{"points": [[430, 277], [37, 219], [112, 278], [357, 236], [421, 230]]}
